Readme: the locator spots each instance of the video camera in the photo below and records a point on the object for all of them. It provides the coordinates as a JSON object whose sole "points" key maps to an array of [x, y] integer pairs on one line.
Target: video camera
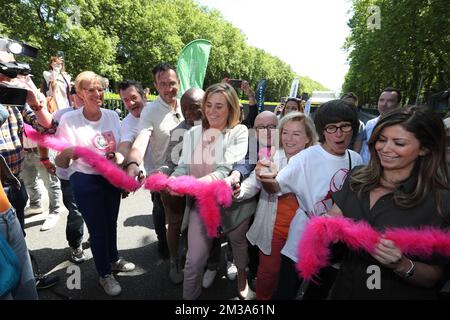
{"points": [[9, 94]]}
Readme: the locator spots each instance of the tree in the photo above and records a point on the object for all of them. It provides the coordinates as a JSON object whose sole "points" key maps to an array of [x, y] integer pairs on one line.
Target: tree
{"points": [[125, 39], [411, 48]]}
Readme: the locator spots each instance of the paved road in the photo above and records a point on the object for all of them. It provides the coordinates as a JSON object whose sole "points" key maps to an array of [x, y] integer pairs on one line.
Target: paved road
{"points": [[136, 242]]}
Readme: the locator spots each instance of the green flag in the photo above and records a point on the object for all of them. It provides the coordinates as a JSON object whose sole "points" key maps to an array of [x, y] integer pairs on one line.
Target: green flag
{"points": [[192, 63]]}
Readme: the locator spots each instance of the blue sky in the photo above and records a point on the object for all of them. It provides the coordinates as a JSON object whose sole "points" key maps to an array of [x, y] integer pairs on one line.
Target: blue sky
{"points": [[307, 34]]}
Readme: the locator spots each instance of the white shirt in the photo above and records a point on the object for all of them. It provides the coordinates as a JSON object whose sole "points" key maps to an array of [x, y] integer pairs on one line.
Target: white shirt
{"points": [[101, 136], [261, 231], [62, 82], [129, 130], [312, 174], [61, 172], [157, 120]]}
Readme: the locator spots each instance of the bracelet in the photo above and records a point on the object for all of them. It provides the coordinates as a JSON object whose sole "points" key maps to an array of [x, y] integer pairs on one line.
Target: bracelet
{"points": [[110, 155], [130, 163], [409, 273]]}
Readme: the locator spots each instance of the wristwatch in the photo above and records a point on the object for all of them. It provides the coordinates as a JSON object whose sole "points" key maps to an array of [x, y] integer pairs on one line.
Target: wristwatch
{"points": [[408, 274]]}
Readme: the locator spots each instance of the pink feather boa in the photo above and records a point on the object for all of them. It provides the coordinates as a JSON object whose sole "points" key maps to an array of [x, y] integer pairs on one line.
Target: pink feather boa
{"points": [[321, 232], [111, 172], [209, 196]]}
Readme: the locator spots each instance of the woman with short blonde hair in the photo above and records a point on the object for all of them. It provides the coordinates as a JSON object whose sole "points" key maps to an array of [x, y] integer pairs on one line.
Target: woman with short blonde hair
{"points": [[98, 129]]}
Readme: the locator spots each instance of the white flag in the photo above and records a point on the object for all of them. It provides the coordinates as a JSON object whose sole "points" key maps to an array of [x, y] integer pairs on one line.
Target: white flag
{"points": [[308, 107], [294, 89]]}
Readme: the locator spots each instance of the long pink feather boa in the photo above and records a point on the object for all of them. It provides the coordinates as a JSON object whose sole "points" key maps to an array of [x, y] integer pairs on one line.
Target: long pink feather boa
{"points": [[314, 246], [209, 195], [116, 176]]}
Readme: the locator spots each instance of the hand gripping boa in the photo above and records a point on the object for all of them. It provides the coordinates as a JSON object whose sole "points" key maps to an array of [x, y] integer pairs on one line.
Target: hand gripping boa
{"points": [[209, 195], [321, 232]]}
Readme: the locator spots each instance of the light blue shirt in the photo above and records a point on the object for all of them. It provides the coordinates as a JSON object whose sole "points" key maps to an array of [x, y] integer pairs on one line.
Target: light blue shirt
{"points": [[367, 132]]}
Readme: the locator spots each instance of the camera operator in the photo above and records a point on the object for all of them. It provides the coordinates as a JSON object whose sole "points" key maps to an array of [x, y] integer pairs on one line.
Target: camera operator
{"points": [[33, 113]]}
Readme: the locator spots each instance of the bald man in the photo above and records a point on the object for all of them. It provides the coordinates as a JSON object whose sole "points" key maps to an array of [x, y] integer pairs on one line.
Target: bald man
{"points": [[265, 136], [190, 102]]}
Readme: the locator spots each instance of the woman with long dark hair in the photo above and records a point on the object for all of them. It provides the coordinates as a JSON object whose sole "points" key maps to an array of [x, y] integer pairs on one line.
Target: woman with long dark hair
{"points": [[405, 185]]}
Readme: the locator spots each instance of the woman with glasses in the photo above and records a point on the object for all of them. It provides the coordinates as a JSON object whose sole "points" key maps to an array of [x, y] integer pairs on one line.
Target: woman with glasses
{"points": [[312, 175], [98, 129], [405, 185], [274, 214], [209, 152]]}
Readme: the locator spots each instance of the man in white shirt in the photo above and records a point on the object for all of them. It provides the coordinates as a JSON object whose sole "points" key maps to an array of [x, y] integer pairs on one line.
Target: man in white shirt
{"points": [[155, 124], [388, 100], [132, 95]]}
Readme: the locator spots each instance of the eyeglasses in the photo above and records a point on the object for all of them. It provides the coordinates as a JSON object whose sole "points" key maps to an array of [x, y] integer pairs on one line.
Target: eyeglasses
{"points": [[92, 90], [269, 127], [344, 128]]}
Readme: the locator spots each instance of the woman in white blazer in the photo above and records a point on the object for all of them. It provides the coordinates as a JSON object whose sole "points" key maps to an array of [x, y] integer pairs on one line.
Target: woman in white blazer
{"points": [[209, 152]]}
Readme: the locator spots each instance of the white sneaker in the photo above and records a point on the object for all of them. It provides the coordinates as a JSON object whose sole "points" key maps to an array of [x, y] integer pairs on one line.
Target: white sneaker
{"points": [[50, 222], [77, 255], [122, 265], [110, 285], [32, 210], [208, 278], [231, 270]]}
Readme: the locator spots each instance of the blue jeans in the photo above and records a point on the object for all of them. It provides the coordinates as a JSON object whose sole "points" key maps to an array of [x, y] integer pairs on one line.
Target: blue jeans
{"points": [[98, 202], [32, 168], [11, 230], [74, 227]]}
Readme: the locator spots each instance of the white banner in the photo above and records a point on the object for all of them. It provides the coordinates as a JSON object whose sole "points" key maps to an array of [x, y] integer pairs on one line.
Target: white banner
{"points": [[308, 107], [294, 88]]}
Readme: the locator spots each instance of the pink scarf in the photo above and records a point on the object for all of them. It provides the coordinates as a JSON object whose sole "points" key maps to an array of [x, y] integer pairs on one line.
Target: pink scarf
{"points": [[321, 232], [210, 196]]}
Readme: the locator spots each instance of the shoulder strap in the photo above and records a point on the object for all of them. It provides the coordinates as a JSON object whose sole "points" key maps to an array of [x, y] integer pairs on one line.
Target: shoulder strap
{"points": [[349, 161]]}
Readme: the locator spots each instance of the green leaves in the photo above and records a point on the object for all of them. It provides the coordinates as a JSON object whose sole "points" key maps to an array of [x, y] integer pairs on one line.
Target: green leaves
{"points": [[125, 39], [413, 43]]}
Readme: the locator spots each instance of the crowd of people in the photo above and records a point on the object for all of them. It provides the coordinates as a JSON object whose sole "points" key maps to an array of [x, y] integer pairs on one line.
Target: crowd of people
{"points": [[284, 170]]}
